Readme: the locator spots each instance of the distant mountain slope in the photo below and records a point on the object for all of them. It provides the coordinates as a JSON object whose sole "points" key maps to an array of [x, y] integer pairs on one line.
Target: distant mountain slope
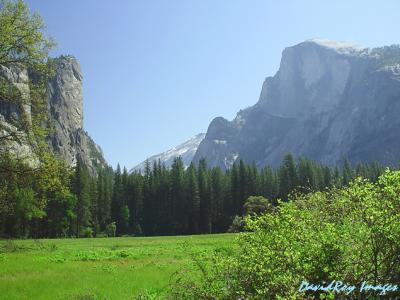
{"points": [[327, 101], [186, 150]]}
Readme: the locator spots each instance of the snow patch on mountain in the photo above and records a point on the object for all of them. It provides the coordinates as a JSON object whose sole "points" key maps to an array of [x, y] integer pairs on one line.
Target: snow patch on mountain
{"points": [[186, 150]]}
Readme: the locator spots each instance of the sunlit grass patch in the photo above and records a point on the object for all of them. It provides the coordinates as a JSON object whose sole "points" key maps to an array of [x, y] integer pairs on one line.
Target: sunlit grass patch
{"points": [[99, 268]]}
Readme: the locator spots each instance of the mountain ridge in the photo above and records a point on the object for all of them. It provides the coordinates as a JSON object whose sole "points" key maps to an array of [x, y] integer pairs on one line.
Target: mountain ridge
{"points": [[316, 105]]}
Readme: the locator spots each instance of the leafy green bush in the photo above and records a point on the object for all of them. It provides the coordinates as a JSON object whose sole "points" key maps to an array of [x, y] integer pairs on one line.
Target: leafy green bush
{"points": [[350, 234], [253, 206], [238, 224], [257, 205], [111, 229], [87, 232]]}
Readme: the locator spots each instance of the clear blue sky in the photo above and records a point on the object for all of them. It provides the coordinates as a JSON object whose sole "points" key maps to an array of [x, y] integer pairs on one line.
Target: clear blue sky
{"points": [[157, 72]]}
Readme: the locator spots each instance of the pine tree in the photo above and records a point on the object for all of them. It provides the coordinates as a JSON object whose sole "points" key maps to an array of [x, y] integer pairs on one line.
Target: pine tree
{"points": [[116, 202], [307, 177], [328, 178], [124, 212], [180, 206], [235, 191], [124, 219], [219, 220], [81, 188], [164, 204], [287, 176], [253, 180], [347, 172], [192, 198], [103, 198], [94, 208], [243, 184], [205, 197], [137, 203], [269, 183]]}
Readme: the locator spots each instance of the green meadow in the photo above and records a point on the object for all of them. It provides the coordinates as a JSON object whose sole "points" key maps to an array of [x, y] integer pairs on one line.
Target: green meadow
{"points": [[98, 268]]}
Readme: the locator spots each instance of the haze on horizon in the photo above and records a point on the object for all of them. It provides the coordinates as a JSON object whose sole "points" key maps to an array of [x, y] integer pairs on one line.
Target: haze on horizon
{"points": [[156, 74]]}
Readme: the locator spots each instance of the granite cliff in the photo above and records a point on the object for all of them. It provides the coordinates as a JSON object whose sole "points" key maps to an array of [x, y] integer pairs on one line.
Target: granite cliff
{"points": [[64, 101], [327, 101], [65, 105]]}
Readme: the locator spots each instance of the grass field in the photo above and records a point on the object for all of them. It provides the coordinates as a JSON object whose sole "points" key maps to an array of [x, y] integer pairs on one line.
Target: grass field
{"points": [[97, 268]]}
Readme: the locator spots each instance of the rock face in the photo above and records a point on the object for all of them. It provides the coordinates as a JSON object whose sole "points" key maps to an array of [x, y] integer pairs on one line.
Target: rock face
{"points": [[15, 116], [327, 101], [185, 150], [65, 108], [65, 103]]}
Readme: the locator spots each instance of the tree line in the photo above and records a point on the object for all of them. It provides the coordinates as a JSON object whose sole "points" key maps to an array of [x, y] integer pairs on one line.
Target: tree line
{"points": [[57, 201], [170, 201]]}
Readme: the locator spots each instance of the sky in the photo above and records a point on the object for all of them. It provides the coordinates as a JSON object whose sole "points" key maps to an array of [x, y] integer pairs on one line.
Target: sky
{"points": [[156, 72]]}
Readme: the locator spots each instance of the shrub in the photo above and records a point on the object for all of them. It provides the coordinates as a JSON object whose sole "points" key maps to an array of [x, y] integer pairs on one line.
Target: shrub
{"points": [[253, 206], [350, 234], [87, 232], [238, 224], [111, 229], [256, 205]]}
